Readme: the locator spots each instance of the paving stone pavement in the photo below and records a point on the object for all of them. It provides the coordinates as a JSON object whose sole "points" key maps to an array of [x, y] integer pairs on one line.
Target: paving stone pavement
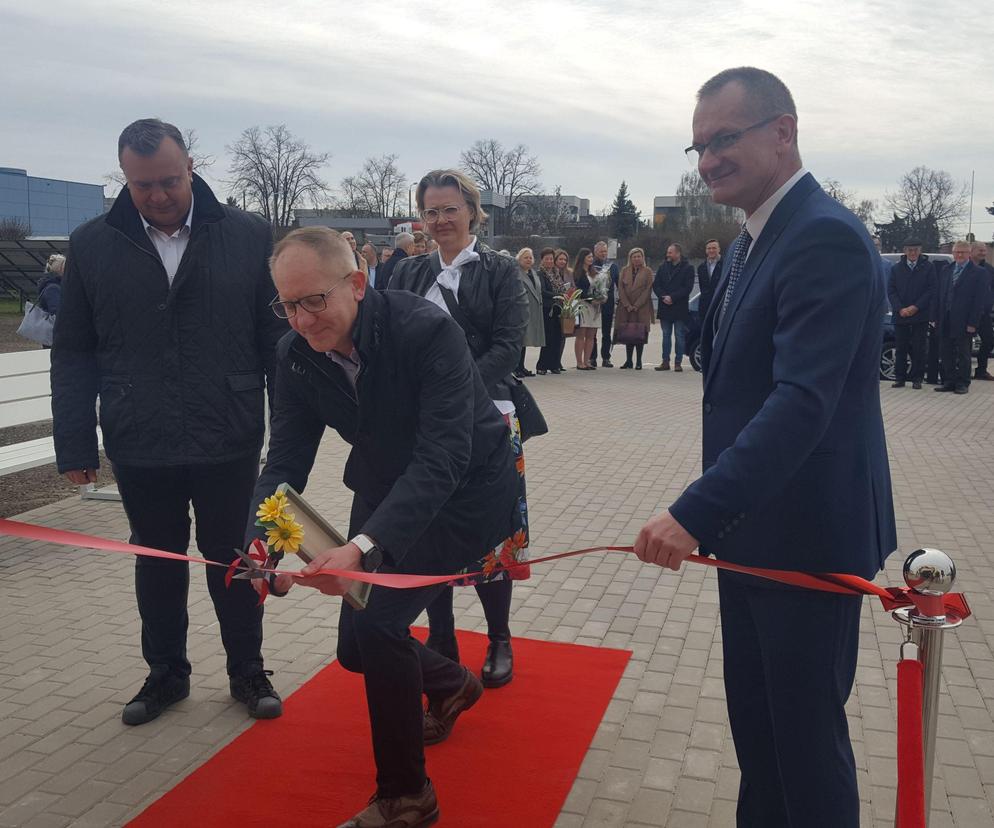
{"points": [[69, 654]]}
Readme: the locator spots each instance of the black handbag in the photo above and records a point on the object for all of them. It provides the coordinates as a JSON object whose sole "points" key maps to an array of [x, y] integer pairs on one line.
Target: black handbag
{"points": [[526, 409]]}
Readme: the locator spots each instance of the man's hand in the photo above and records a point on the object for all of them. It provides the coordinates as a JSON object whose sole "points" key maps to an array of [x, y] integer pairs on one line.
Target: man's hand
{"points": [[912, 310], [667, 300], [81, 477], [281, 583], [970, 329], [338, 557], [664, 542]]}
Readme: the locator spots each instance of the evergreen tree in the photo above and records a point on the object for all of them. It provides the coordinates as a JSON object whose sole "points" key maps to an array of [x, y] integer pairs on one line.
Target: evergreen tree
{"points": [[624, 217]]}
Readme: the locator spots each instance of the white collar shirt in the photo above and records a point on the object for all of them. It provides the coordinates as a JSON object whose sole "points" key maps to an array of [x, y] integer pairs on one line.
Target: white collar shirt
{"points": [[757, 221], [170, 248], [712, 266]]}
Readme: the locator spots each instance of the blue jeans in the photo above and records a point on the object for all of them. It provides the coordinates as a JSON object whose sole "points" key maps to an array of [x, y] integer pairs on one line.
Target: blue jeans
{"points": [[681, 338]]}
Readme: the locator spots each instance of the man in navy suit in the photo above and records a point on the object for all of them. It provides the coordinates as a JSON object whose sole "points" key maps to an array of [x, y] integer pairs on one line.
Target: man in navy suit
{"points": [[910, 289], [961, 299], [708, 274], [795, 461]]}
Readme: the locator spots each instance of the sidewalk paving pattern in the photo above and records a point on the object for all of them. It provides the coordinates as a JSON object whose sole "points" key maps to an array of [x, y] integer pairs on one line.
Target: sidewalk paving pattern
{"points": [[663, 756]]}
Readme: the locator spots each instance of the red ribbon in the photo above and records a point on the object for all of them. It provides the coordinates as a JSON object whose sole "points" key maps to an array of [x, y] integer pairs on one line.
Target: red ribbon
{"points": [[891, 597]]}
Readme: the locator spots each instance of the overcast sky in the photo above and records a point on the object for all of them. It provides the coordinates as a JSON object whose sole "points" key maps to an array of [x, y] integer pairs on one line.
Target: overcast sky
{"points": [[599, 91]]}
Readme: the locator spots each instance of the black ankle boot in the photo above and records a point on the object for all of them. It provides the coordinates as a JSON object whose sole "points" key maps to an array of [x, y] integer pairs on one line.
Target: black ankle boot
{"points": [[498, 667], [444, 645]]}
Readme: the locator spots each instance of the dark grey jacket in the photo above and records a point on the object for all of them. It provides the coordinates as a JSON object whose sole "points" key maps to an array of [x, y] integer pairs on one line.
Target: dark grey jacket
{"points": [[179, 369], [493, 297], [431, 464]]}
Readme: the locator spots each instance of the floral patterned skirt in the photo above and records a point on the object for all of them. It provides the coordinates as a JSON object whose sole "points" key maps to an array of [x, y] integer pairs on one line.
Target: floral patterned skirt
{"points": [[515, 548]]}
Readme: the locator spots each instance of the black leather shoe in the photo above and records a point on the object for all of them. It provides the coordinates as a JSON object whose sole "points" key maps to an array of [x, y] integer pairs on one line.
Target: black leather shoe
{"points": [[898, 384], [256, 692], [944, 388], [607, 364], [498, 667], [157, 693], [961, 389], [626, 366], [917, 385], [557, 370], [444, 645]]}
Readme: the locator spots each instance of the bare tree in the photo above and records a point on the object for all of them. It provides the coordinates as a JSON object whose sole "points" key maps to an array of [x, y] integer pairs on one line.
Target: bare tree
{"points": [[925, 196], [191, 140], [863, 208], [14, 229], [698, 206], [276, 172], [545, 214], [513, 172], [377, 189]]}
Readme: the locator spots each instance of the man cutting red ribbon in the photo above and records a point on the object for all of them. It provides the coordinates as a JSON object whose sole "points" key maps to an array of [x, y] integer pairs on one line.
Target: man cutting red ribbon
{"points": [[795, 461]]}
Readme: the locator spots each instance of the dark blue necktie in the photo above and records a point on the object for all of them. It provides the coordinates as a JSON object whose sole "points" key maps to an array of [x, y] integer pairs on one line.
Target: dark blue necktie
{"points": [[735, 270], [957, 272]]}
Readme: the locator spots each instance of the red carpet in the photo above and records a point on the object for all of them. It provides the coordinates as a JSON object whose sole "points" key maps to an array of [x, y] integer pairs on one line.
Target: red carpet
{"points": [[510, 761]]}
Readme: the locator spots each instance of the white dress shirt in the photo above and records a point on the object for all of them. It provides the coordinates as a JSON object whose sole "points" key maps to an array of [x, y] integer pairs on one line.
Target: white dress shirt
{"points": [[757, 221], [171, 248]]}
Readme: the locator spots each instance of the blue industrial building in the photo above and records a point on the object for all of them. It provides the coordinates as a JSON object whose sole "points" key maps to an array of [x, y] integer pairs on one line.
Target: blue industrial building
{"points": [[47, 206]]}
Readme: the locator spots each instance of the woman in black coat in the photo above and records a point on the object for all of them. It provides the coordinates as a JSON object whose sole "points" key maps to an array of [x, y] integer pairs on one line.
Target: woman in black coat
{"points": [[481, 290], [552, 286]]}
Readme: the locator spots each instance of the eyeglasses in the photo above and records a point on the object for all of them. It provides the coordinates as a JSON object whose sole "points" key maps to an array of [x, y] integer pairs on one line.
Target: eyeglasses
{"points": [[720, 143], [431, 215], [315, 303]]}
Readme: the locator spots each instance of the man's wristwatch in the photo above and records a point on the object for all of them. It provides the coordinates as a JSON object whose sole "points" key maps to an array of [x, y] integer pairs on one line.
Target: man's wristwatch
{"points": [[372, 556]]}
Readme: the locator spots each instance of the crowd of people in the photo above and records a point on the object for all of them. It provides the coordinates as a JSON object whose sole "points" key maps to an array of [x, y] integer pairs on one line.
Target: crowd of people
{"points": [[416, 362], [612, 303], [937, 312]]}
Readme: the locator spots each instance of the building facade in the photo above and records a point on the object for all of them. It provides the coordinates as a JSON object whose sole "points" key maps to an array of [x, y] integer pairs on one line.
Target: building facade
{"points": [[47, 206]]}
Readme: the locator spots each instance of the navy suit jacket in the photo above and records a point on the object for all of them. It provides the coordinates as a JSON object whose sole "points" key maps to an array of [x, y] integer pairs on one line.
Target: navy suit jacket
{"points": [[906, 287], [795, 460], [965, 303]]}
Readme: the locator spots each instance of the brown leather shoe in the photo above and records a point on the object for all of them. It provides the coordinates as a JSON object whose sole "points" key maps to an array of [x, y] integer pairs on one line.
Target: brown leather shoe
{"points": [[663, 366], [417, 811], [677, 366], [441, 716]]}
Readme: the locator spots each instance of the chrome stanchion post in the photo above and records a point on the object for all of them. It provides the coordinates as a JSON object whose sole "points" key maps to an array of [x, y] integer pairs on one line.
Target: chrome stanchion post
{"points": [[929, 573]]}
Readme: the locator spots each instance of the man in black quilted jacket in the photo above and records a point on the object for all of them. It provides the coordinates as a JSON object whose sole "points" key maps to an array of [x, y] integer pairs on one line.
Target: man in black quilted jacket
{"points": [[164, 319]]}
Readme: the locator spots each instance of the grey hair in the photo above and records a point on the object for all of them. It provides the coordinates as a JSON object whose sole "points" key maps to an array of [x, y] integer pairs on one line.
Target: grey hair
{"points": [[768, 96], [402, 240], [144, 137], [324, 241]]}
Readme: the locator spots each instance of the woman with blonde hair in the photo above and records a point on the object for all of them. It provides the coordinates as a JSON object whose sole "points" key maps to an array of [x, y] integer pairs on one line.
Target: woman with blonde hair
{"points": [[535, 330], [481, 290], [634, 305]]}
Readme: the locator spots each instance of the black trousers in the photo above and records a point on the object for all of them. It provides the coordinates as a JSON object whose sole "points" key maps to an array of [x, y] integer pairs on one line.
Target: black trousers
{"points": [[932, 366], [607, 326], [637, 349], [396, 669], [789, 664], [548, 357], [495, 597], [157, 502], [910, 338], [986, 332], [956, 360]]}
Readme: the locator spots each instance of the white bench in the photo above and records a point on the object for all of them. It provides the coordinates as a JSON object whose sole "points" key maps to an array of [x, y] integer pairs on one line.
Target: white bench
{"points": [[26, 397]]}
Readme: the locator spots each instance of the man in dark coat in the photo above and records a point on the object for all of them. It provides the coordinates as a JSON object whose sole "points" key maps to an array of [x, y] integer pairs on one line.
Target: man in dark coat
{"points": [[607, 309], [795, 471], [985, 331], [164, 316], [673, 285], [910, 290], [962, 294], [403, 246], [435, 488], [708, 275]]}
